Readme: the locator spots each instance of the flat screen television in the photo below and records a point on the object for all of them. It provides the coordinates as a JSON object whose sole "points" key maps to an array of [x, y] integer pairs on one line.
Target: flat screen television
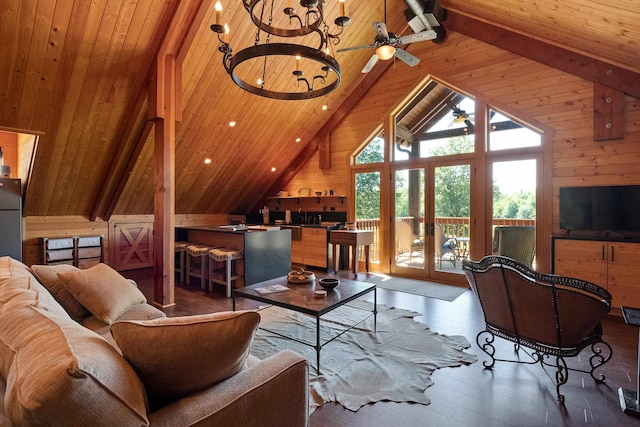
{"points": [[602, 208]]}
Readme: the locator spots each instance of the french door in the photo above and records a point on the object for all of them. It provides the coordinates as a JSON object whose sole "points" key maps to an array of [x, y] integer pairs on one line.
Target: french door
{"points": [[430, 227]]}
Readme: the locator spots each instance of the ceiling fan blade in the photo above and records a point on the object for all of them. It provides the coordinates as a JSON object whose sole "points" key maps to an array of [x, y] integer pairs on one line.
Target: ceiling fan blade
{"points": [[406, 57], [346, 49], [370, 64], [381, 29], [418, 37]]}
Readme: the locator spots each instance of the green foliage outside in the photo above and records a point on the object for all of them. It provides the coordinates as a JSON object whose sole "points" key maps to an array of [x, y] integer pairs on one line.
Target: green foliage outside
{"points": [[452, 187]]}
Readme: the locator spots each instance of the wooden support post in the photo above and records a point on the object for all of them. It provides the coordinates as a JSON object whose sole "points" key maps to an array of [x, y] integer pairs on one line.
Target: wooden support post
{"points": [[164, 193]]}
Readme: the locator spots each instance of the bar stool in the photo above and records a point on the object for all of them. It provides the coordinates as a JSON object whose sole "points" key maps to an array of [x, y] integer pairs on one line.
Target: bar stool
{"points": [[180, 249], [198, 253], [228, 256]]}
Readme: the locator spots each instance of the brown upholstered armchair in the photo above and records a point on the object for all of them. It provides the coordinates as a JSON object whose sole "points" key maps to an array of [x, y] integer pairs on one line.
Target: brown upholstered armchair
{"points": [[554, 316]]}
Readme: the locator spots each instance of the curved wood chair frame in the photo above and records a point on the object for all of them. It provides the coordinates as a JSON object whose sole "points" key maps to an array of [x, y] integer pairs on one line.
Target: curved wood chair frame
{"points": [[555, 316]]}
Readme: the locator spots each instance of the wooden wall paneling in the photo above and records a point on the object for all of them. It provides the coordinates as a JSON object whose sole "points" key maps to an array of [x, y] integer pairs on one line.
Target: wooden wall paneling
{"points": [[64, 157], [57, 31], [18, 53], [55, 121], [563, 59], [39, 27], [10, 37], [185, 220]]}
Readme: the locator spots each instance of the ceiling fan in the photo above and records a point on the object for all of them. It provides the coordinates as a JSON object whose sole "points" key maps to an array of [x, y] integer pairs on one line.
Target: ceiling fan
{"points": [[386, 44], [461, 116]]}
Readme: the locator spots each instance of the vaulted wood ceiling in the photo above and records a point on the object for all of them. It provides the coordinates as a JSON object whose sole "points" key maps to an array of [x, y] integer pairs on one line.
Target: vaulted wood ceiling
{"points": [[76, 72]]}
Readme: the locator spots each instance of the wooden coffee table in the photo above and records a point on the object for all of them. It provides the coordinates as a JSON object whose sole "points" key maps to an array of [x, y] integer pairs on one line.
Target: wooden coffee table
{"points": [[301, 298]]}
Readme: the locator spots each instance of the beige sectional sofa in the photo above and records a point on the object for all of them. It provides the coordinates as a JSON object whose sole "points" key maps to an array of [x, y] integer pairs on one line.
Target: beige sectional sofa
{"points": [[82, 347]]}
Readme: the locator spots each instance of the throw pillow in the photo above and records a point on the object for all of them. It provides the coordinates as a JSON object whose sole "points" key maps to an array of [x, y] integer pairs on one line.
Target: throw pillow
{"points": [[177, 356], [48, 277], [60, 373], [103, 291]]}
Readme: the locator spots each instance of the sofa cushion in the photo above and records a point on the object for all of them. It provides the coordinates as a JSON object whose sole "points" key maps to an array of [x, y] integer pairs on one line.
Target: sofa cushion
{"points": [[175, 357], [10, 287], [60, 373], [10, 267], [48, 277], [12, 297], [103, 291]]}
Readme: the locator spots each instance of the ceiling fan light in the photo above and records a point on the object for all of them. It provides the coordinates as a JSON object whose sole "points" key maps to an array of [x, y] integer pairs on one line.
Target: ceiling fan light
{"points": [[385, 52]]}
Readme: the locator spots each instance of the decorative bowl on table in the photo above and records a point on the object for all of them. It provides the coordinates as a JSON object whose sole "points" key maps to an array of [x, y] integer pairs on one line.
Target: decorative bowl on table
{"points": [[329, 283], [301, 276]]}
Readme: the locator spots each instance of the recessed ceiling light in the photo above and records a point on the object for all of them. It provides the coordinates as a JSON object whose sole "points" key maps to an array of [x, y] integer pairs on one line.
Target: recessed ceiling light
{"points": [[232, 123], [324, 107], [298, 139], [207, 161], [273, 169]]}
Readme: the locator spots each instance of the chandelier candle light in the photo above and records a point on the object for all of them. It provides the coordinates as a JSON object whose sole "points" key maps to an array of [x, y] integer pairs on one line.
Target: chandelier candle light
{"points": [[258, 62]]}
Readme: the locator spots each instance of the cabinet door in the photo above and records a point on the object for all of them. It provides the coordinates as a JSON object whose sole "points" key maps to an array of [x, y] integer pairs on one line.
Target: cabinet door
{"points": [[624, 270], [133, 246], [314, 242], [296, 252], [582, 259]]}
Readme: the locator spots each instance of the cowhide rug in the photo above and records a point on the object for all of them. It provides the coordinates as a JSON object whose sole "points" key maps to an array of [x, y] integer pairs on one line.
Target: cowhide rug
{"points": [[361, 366]]}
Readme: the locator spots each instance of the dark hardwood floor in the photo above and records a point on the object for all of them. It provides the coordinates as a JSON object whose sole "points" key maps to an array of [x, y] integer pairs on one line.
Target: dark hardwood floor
{"points": [[509, 395]]}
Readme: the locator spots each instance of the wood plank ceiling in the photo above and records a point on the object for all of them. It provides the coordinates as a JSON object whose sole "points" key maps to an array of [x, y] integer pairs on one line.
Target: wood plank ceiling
{"points": [[77, 72]]}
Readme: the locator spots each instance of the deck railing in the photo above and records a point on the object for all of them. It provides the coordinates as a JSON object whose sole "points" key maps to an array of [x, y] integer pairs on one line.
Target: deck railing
{"points": [[452, 226]]}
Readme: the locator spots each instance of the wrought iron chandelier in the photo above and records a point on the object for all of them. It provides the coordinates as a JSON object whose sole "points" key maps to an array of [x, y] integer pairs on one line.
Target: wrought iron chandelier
{"points": [[258, 68]]}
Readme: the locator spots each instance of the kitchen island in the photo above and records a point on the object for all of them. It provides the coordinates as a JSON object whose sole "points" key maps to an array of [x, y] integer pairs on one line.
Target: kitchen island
{"points": [[267, 250]]}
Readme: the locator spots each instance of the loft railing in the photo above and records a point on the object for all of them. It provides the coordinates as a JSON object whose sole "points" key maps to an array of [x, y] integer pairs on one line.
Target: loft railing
{"points": [[452, 226]]}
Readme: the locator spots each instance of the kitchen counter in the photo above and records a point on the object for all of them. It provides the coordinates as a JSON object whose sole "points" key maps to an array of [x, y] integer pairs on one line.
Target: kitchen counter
{"points": [[267, 250]]}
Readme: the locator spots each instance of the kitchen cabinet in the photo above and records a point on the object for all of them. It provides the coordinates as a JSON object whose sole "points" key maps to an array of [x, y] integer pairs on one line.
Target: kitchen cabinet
{"points": [[314, 246], [297, 256], [613, 265]]}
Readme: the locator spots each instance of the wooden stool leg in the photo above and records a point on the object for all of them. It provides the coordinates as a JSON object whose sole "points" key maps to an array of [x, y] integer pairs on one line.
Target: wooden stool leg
{"points": [[203, 272], [188, 269], [182, 265], [210, 279]]}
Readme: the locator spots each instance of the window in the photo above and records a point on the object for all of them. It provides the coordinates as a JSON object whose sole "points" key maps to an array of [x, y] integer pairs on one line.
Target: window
{"points": [[373, 152], [428, 125], [505, 133]]}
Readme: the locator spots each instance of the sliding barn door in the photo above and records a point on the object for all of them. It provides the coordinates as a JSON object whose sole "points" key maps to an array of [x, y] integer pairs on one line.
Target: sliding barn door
{"points": [[133, 246]]}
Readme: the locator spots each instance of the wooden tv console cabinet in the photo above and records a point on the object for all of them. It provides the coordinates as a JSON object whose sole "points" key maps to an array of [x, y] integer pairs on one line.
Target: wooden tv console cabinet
{"points": [[611, 264]]}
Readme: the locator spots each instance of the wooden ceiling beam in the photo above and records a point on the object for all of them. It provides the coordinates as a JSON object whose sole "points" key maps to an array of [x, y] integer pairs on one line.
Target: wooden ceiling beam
{"points": [[546, 53]]}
